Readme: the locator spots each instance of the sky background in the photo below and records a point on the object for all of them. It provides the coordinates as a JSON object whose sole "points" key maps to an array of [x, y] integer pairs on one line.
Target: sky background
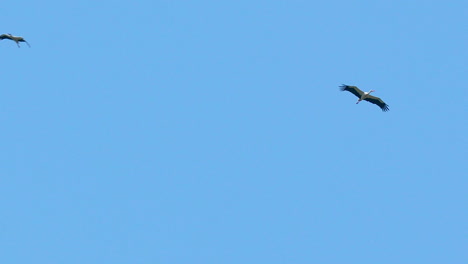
{"points": [[215, 132]]}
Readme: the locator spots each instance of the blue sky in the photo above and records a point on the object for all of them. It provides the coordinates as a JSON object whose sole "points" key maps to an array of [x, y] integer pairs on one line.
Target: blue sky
{"points": [[214, 132]]}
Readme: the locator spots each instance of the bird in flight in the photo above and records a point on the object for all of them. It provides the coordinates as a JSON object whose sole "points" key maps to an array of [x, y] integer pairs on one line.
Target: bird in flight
{"points": [[14, 38], [365, 96]]}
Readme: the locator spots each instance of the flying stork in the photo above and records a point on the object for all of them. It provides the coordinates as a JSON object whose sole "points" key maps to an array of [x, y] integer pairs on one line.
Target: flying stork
{"points": [[14, 38], [365, 96]]}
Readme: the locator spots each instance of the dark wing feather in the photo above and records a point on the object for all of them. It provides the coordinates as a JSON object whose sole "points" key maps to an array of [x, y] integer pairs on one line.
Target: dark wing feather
{"points": [[377, 101], [4, 36], [352, 89]]}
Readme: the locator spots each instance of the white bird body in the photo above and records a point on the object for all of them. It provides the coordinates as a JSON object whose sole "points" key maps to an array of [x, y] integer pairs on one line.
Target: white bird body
{"points": [[14, 38], [365, 96]]}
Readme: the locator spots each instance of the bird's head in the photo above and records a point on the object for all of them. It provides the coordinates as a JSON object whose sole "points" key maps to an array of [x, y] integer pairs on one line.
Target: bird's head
{"points": [[371, 91]]}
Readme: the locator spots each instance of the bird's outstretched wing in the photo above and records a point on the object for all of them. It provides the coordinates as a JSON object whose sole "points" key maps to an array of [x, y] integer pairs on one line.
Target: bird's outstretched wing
{"points": [[377, 101], [352, 89], [4, 36]]}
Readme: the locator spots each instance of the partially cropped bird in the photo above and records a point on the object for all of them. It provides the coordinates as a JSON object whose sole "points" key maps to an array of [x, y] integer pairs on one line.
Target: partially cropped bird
{"points": [[365, 96], [14, 38]]}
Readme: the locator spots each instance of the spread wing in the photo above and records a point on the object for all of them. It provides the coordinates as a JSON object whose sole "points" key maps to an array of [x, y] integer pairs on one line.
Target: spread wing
{"points": [[4, 36], [377, 101], [352, 89]]}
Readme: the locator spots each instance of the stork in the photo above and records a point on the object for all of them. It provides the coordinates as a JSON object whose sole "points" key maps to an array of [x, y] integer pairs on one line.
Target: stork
{"points": [[365, 96], [14, 38]]}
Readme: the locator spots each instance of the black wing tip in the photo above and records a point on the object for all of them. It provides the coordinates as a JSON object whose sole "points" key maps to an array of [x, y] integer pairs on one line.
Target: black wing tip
{"points": [[385, 108], [343, 87]]}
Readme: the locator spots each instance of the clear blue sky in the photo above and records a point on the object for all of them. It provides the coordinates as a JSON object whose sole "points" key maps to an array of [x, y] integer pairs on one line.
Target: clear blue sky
{"points": [[214, 132]]}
